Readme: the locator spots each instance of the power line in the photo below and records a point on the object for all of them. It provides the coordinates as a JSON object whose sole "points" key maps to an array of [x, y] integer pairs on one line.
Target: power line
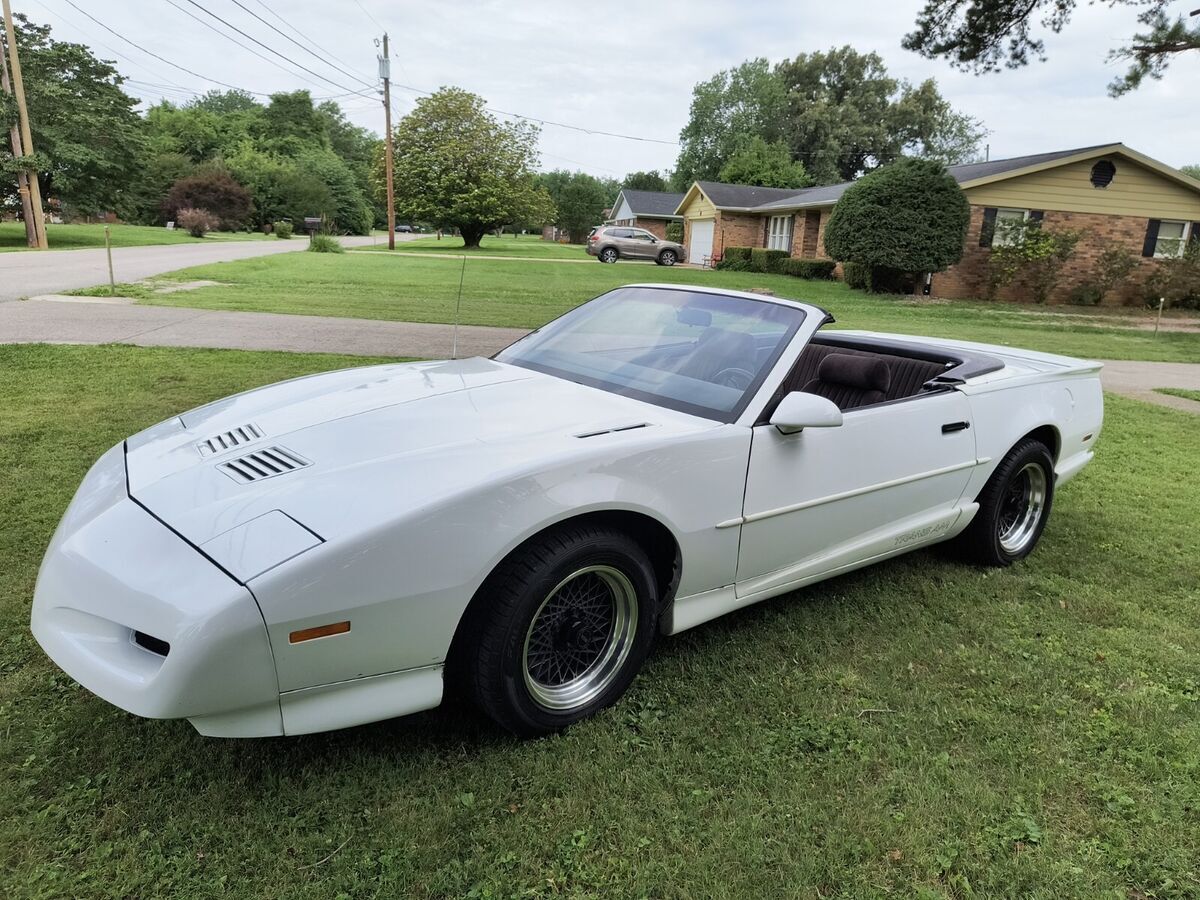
{"points": [[241, 5], [367, 13], [302, 35], [209, 12]]}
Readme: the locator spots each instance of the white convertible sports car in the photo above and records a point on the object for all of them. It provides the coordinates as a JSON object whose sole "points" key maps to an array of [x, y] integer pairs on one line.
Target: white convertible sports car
{"points": [[327, 551]]}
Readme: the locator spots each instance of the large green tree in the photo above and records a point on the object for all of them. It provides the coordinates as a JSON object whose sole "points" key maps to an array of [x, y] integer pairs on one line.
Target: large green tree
{"points": [[904, 219], [580, 200], [85, 130], [456, 166], [1191, 171], [645, 181], [838, 112], [766, 165], [984, 35]]}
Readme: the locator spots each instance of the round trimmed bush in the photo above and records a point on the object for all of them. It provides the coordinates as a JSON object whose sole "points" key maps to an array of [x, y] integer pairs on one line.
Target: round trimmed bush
{"points": [[904, 219]]}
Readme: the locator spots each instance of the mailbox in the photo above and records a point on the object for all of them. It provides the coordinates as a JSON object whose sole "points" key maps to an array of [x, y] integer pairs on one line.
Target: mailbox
{"points": [[312, 224]]}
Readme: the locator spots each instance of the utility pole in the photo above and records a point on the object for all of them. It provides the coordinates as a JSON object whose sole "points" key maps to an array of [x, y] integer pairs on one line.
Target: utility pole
{"points": [[385, 72], [26, 143]]}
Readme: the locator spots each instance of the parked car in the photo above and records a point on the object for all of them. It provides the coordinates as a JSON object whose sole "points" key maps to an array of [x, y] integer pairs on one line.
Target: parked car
{"points": [[326, 551], [404, 229], [609, 243]]}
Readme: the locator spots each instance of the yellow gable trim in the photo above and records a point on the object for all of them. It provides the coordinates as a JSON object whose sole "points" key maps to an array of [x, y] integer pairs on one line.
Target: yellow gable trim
{"points": [[696, 204]]}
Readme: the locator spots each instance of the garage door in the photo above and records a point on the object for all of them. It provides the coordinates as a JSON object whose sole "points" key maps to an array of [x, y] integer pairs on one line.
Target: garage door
{"points": [[701, 241]]}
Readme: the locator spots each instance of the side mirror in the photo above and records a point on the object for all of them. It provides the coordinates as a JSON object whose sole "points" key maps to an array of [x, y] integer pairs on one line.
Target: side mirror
{"points": [[799, 410]]}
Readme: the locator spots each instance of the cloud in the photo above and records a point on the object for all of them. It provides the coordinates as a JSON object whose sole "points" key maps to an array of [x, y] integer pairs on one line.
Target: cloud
{"points": [[610, 69]]}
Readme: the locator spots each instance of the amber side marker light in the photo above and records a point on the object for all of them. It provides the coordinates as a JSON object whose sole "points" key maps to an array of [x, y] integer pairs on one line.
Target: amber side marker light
{"points": [[309, 634]]}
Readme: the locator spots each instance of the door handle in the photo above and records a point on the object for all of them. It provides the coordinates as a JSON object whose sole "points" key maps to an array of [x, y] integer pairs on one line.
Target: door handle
{"points": [[951, 427]]}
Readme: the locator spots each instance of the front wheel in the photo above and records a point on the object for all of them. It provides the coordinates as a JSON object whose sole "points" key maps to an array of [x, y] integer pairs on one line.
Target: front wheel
{"points": [[562, 629], [608, 255], [1013, 507], [668, 258]]}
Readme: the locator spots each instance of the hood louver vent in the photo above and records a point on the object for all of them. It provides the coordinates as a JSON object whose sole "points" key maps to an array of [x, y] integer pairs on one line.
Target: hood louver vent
{"points": [[227, 440], [265, 463], [588, 434]]}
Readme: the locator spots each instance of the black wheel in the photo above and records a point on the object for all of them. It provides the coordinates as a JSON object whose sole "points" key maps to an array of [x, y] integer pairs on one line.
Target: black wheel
{"points": [[560, 630], [667, 258], [1013, 507], [609, 255]]}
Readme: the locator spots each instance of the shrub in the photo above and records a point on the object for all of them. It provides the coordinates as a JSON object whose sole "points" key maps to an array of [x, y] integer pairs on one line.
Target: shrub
{"points": [[735, 265], [283, 230], [808, 268], [198, 222], [764, 260], [212, 190], [675, 232], [1177, 280], [734, 254], [905, 218], [1032, 256], [857, 275], [1086, 294], [1113, 267], [325, 243]]}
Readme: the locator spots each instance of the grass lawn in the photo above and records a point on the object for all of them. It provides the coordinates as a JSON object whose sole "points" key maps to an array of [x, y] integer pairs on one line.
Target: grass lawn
{"points": [[1180, 392], [526, 245], [75, 237], [529, 293], [918, 729]]}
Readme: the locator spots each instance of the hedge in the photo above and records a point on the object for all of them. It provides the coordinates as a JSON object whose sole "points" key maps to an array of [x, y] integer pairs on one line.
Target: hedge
{"points": [[818, 269], [765, 260], [857, 275], [736, 254]]}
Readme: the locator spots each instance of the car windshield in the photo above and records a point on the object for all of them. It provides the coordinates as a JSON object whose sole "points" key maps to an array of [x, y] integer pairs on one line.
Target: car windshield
{"points": [[699, 353]]}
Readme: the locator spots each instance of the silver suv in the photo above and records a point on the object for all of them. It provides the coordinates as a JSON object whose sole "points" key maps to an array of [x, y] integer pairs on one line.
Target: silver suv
{"points": [[612, 242]]}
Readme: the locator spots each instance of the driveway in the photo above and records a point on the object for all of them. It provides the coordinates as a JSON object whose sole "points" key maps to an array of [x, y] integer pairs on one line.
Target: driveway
{"points": [[27, 273], [98, 320]]}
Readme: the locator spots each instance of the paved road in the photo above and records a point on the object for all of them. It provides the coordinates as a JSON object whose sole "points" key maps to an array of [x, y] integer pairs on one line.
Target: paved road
{"points": [[27, 273], [94, 320]]}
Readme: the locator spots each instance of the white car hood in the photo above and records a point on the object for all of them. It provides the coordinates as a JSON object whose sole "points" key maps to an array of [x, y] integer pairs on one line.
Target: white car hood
{"points": [[384, 443]]}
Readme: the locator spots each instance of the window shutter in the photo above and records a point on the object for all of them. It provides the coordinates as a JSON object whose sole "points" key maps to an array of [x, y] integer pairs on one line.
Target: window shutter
{"points": [[1036, 215], [987, 231], [1151, 237]]}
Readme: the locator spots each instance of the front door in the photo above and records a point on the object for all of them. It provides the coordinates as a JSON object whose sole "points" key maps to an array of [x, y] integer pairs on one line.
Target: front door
{"points": [[887, 479]]}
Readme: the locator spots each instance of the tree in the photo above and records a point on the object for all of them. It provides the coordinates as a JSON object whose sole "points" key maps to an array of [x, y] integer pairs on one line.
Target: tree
{"points": [[1191, 171], [748, 99], [290, 123], [904, 219], [847, 116], [984, 35], [457, 167], [142, 203], [351, 212], [645, 181], [838, 113], [765, 165], [85, 130], [213, 190], [580, 200]]}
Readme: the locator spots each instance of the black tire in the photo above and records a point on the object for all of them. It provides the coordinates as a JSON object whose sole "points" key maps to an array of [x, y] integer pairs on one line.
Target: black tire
{"points": [[668, 258], [609, 255], [1006, 528], [496, 662]]}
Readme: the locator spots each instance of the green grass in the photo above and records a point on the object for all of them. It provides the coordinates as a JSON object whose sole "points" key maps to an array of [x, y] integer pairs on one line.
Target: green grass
{"points": [[1180, 392], [524, 245], [527, 294], [76, 237], [917, 729]]}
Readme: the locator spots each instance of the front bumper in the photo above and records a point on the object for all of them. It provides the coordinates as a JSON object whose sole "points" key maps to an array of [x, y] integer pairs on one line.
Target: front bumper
{"points": [[113, 570]]}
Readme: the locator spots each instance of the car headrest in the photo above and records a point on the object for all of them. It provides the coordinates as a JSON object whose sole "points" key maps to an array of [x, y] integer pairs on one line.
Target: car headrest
{"points": [[866, 373]]}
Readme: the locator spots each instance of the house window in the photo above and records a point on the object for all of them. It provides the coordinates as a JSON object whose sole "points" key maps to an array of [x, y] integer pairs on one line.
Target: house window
{"points": [[779, 235], [1172, 238], [1008, 226]]}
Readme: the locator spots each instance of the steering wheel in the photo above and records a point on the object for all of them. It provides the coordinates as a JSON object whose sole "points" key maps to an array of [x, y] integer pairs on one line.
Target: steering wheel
{"points": [[734, 377]]}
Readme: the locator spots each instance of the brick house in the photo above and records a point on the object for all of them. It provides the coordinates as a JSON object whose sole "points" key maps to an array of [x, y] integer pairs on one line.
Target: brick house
{"points": [[1115, 195], [651, 210]]}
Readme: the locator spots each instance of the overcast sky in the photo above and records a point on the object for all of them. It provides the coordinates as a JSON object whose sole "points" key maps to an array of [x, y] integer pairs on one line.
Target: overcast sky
{"points": [[590, 66]]}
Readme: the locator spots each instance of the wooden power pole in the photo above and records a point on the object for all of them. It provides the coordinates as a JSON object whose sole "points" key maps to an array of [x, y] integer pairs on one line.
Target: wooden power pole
{"points": [[31, 194], [385, 72]]}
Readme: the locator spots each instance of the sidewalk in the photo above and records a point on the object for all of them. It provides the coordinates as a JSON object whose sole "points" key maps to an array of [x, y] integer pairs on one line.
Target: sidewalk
{"points": [[99, 320]]}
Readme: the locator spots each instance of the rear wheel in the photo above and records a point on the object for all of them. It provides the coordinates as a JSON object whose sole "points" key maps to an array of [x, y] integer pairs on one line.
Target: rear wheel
{"points": [[609, 255], [1013, 507], [668, 258], [561, 629]]}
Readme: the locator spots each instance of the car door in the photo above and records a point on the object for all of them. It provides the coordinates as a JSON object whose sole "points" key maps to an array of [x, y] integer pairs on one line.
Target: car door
{"points": [[642, 244], [889, 478]]}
